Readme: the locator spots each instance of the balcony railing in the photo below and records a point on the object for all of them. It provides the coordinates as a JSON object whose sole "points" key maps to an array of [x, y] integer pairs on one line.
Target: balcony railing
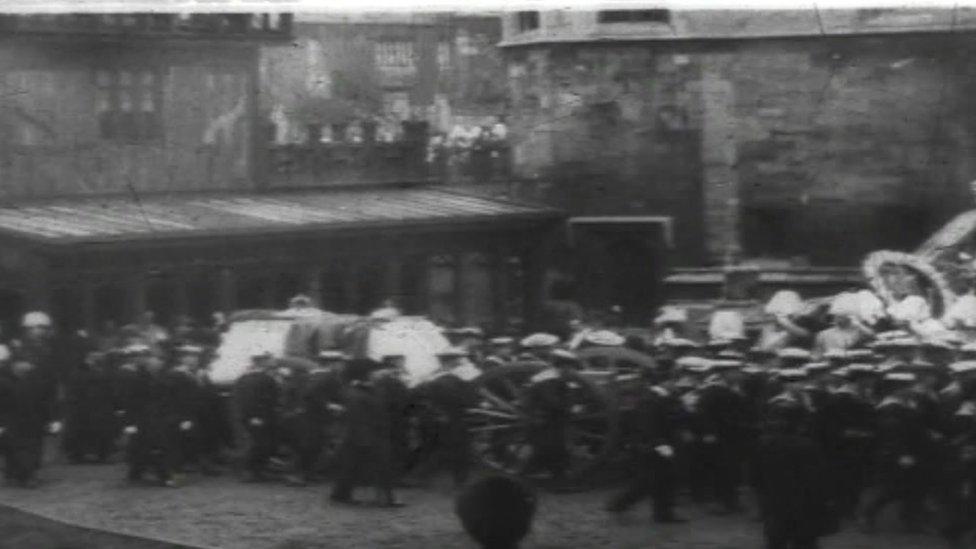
{"points": [[260, 26], [317, 164], [479, 165]]}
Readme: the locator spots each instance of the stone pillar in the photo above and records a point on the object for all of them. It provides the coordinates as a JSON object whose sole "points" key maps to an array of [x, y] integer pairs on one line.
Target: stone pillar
{"points": [[499, 288], [422, 299], [88, 313], [181, 300], [536, 259], [135, 296], [269, 291], [458, 295], [393, 279], [350, 288], [720, 179], [226, 290], [313, 284], [37, 296]]}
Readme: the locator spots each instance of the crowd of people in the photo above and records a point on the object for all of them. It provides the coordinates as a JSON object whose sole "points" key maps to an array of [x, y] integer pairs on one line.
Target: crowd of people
{"points": [[145, 392], [830, 411], [477, 151]]}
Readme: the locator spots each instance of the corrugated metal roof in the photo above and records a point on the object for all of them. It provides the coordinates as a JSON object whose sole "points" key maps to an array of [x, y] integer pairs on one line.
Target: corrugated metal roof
{"points": [[118, 218]]}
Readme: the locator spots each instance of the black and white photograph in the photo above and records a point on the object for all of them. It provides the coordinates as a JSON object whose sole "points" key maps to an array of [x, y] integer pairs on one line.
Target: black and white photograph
{"points": [[299, 274]]}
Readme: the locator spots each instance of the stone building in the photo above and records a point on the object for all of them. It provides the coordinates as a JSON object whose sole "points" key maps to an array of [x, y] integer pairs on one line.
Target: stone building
{"points": [[443, 68], [804, 138], [133, 177]]}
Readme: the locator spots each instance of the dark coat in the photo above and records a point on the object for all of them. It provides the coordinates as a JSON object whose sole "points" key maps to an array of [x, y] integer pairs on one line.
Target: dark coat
{"points": [[723, 413], [90, 398], [258, 396], [27, 403], [790, 483], [655, 419], [367, 423], [158, 403]]}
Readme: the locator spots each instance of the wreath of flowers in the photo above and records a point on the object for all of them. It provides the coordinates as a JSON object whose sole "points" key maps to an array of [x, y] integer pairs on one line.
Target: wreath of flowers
{"points": [[874, 262]]}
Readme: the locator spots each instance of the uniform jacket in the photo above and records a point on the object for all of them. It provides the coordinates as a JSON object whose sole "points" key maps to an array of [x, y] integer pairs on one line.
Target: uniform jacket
{"points": [[790, 481], [258, 396], [27, 403]]}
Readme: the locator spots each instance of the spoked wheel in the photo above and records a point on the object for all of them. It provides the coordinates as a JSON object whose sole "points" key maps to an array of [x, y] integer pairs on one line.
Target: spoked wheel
{"points": [[501, 425]]}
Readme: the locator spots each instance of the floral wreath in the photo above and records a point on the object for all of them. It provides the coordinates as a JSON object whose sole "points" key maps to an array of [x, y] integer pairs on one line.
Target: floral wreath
{"points": [[874, 262]]}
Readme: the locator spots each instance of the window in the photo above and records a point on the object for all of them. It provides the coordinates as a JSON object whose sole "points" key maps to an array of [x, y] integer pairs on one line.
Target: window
{"points": [[527, 20], [127, 104], [398, 55], [634, 16]]}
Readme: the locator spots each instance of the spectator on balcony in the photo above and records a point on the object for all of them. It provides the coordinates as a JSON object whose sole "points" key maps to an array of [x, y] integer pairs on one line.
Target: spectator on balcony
{"points": [[437, 152], [354, 133], [388, 131], [499, 131]]}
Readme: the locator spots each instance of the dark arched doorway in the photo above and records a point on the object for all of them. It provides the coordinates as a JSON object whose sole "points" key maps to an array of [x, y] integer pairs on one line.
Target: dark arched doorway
{"points": [[620, 261]]}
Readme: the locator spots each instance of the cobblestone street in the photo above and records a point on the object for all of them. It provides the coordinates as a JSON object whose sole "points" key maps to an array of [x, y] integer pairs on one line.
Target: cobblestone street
{"points": [[225, 513]]}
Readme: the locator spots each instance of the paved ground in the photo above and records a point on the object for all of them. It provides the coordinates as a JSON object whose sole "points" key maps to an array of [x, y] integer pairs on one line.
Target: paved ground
{"points": [[227, 514], [22, 530]]}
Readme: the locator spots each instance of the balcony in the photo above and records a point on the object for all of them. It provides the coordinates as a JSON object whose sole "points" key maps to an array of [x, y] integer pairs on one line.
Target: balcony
{"points": [[483, 164], [210, 26], [342, 164]]}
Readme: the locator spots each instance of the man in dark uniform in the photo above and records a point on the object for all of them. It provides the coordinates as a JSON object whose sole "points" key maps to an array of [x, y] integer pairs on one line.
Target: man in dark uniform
{"points": [[795, 500], [156, 413], [450, 394], [27, 400], [548, 399], [393, 397], [654, 426], [201, 444], [902, 447], [365, 448], [257, 393], [961, 388], [692, 453], [850, 440], [321, 398], [37, 347], [723, 412], [90, 422], [960, 497], [395, 394], [935, 454]]}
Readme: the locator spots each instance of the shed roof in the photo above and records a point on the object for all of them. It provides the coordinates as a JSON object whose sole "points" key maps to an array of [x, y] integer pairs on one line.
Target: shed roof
{"points": [[82, 220]]}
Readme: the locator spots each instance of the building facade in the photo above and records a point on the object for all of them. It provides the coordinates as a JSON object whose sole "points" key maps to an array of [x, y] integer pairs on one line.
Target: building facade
{"points": [[442, 68], [796, 137], [135, 176]]}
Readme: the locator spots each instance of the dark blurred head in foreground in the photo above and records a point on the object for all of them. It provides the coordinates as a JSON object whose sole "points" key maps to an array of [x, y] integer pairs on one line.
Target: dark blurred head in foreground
{"points": [[496, 511]]}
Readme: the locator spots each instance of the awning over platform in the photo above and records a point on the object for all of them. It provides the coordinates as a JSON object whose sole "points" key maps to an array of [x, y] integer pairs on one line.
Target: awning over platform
{"points": [[116, 218]]}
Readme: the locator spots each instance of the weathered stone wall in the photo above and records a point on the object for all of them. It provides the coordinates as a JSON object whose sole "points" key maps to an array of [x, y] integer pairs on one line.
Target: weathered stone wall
{"points": [[52, 139], [819, 147]]}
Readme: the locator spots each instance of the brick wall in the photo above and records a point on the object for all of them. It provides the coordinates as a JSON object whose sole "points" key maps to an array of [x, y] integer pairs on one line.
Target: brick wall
{"points": [[819, 147]]}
